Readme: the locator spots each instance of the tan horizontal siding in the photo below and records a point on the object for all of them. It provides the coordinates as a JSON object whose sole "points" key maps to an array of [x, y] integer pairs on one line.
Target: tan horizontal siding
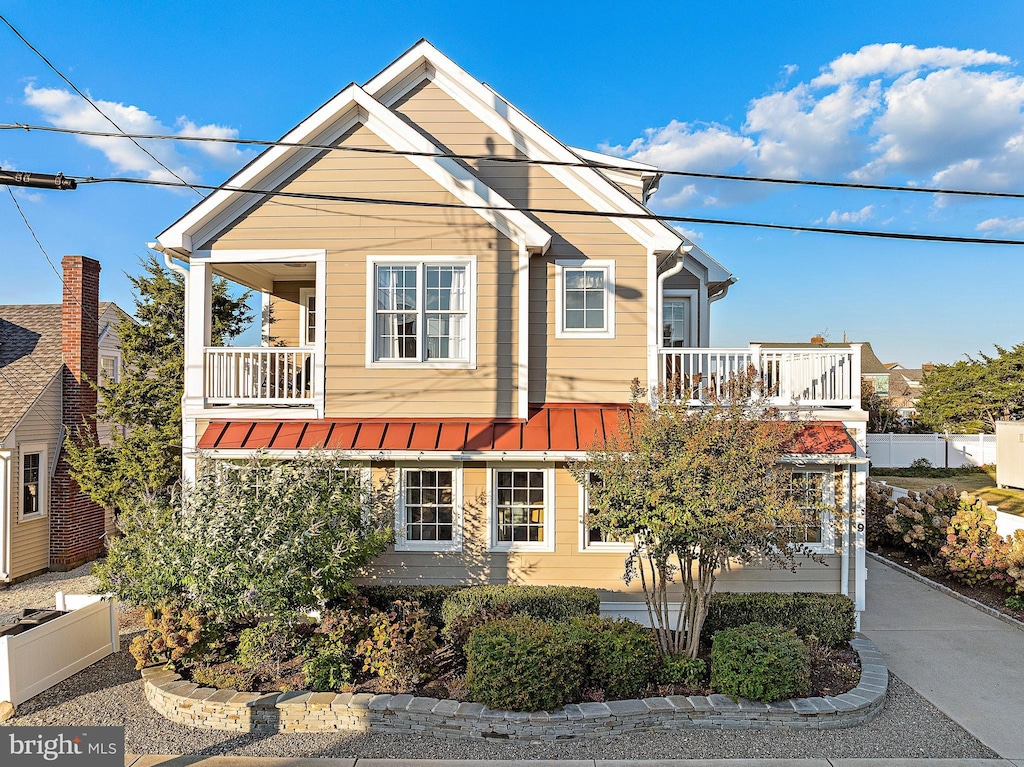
{"points": [[30, 540], [352, 231], [567, 565], [286, 313]]}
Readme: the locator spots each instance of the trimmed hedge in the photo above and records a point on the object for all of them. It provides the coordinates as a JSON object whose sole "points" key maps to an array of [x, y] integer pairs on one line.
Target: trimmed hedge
{"points": [[830, 617], [760, 662], [524, 664], [552, 603], [620, 657], [430, 597]]}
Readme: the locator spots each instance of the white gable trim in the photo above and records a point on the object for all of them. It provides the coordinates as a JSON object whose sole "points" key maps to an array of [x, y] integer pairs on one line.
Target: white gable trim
{"points": [[350, 107], [423, 61]]}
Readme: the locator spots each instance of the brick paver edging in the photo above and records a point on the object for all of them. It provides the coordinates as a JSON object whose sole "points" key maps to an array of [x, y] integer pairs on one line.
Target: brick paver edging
{"points": [[208, 708]]}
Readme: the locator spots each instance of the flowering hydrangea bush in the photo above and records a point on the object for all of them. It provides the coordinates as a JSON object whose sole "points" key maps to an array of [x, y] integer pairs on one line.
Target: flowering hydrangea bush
{"points": [[974, 552], [919, 520]]}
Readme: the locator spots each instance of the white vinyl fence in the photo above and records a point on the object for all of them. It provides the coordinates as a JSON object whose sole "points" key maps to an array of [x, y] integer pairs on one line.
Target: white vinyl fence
{"points": [[39, 658], [944, 450]]}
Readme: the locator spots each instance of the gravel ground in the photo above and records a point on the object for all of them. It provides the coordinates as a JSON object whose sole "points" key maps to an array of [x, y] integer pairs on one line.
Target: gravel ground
{"points": [[110, 693], [39, 591]]}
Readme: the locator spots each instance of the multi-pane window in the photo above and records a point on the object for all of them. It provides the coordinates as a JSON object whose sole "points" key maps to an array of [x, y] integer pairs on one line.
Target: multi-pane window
{"points": [[422, 312], [309, 316], [584, 298], [808, 489], [593, 538], [429, 505], [519, 506], [32, 488], [108, 369]]}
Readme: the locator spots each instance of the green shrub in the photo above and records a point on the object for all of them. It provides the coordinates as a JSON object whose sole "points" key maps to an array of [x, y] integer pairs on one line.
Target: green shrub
{"points": [[328, 672], [830, 617], [430, 597], [400, 646], [553, 603], [1015, 602], [457, 633], [620, 657], [760, 662], [524, 664], [331, 652], [692, 672], [263, 648], [224, 677]]}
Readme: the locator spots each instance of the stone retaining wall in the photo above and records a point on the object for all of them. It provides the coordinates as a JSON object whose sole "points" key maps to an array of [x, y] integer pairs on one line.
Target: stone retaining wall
{"points": [[208, 708]]}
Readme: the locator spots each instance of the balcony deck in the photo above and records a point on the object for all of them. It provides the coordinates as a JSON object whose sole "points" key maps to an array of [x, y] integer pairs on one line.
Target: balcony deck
{"points": [[259, 376], [805, 378]]}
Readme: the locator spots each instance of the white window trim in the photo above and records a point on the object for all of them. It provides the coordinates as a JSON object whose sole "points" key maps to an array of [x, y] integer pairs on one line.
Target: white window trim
{"points": [[692, 330], [372, 262], [598, 546], [827, 544], [549, 509], [609, 298], [304, 295], [114, 355], [401, 544], [44, 481]]}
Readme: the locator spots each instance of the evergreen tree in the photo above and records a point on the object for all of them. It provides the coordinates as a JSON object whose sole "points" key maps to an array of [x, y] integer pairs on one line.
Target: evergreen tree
{"points": [[143, 459], [972, 394]]}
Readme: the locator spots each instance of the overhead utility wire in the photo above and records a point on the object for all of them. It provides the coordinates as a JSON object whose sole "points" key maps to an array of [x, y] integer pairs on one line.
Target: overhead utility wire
{"points": [[121, 132], [596, 165], [562, 211]]}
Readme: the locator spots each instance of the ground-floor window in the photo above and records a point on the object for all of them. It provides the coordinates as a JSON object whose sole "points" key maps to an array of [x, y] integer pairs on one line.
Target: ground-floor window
{"points": [[813, 490], [593, 539], [522, 515], [429, 509]]}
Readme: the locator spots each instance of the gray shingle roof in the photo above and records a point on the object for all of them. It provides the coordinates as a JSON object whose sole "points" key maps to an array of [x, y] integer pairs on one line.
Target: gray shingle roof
{"points": [[30, 356]]}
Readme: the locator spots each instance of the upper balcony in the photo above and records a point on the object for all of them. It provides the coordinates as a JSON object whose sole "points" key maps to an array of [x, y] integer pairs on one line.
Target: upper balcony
{"points": [[804, 378], [259, 376]]}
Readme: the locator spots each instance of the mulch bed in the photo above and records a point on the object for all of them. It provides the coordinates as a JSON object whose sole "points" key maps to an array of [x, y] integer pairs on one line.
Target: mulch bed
{"points": [[989, 594]]}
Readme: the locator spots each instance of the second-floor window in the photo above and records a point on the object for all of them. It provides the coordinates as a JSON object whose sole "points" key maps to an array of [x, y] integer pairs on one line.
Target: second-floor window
{"points": [[584, 299], [109, 370], [422, 311]]}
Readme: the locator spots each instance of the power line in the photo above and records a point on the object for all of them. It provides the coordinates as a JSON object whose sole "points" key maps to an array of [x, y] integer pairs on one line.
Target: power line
{"points": [[46, 255], [571, 212], [517, 160], [121, 133]]}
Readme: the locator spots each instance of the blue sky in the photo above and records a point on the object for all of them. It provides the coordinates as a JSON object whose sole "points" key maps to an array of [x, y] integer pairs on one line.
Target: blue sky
{"points": [[907, 93]]}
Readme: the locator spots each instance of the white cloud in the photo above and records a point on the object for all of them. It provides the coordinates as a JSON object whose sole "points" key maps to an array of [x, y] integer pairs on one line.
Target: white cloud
{"points": [[66, 109], [1005, 224], [892, 59], [907, 115], [690, 234], [850, 216]]}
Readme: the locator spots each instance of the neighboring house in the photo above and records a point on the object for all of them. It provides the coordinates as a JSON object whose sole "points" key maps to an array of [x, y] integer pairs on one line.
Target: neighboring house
{"points": [[905, 388], [478, 338], [46, 352]]}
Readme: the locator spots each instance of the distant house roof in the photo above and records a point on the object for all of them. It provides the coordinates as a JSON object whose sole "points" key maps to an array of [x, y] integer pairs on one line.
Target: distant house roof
{"points": [[559, 428], [869, 362], [30, 356]]}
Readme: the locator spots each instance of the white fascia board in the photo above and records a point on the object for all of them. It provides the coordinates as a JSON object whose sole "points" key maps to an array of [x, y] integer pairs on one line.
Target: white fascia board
{"points": [[715, 271], [424, 61], [416, 456], [353, 105], [609, 159]]}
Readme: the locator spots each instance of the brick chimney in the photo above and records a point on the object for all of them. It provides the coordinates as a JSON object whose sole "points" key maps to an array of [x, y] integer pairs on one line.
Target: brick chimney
{"points": [[818, 340], [76, 522]]}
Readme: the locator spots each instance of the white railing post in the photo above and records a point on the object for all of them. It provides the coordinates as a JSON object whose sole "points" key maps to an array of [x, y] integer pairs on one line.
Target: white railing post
{"points": [[261, 375]]}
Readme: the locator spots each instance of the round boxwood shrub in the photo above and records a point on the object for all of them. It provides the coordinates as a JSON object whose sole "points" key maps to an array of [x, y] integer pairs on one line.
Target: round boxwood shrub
{"points": [[524, 664], [620, 657], [553, 603], [764, 663]]}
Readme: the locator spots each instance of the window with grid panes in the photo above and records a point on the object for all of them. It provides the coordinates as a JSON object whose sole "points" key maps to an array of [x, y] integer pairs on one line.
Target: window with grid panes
{"points": [[429, 505], [519, 506]]}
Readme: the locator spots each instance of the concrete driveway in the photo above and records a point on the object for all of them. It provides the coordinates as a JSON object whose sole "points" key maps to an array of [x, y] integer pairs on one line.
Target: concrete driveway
{"points": [[966, 663]]}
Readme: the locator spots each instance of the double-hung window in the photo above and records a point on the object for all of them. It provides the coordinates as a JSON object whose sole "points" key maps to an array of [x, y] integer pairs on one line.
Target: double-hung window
{"points": [[593, 539], [429, 510], [813, 491], [421, 311], [308, 317], [522, 513], [584, 298], [33, 476]]}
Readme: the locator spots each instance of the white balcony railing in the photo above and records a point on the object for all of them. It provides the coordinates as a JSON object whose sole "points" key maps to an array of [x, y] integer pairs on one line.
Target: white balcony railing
{"points": [[259, 376], [825, 377]]}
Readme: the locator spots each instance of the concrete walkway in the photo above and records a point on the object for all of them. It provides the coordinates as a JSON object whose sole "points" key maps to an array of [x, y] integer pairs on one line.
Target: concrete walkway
{"points": [[164, 760], [967, 664]]}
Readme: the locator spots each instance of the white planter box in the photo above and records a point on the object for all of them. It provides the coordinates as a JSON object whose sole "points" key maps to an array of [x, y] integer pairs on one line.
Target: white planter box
{"points": [[39, 658]]}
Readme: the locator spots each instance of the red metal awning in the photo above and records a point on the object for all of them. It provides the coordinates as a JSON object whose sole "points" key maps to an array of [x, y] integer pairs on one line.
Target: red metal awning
{"points": [[557, 428]]}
